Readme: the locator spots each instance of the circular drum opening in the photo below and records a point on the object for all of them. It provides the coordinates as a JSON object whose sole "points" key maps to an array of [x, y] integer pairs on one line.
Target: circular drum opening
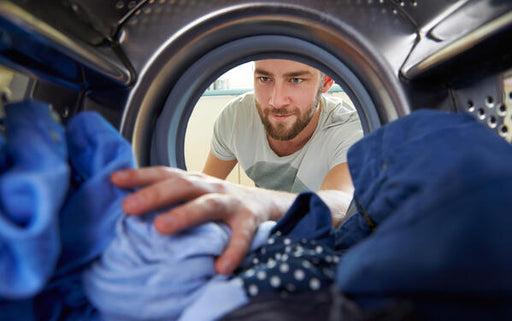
{"points": [[189, 59], [169, 134]]}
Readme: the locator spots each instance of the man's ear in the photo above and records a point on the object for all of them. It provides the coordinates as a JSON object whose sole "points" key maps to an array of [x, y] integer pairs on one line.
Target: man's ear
{"points": [[328, 82]]}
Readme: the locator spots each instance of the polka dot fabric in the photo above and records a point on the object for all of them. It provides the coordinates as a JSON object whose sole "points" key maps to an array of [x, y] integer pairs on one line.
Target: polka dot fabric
{"points": [[292, 261], [285, 265]]}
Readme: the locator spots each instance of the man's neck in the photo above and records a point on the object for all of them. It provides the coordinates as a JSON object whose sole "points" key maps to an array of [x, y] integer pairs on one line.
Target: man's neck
{"points": [[288, 147]]}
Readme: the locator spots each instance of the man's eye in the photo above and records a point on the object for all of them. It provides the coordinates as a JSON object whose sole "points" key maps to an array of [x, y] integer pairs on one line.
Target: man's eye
{"points": [[264, 79], [297, 80]]}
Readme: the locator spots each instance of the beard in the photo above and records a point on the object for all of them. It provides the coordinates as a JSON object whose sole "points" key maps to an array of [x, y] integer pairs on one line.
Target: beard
{"points": [[280, 131]]}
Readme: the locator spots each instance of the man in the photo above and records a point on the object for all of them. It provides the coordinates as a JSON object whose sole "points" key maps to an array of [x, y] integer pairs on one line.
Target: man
{"points": [[286, 136], [287, 95]]}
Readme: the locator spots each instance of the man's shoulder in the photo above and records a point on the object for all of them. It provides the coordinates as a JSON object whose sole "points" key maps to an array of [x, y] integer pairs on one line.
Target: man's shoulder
{"points": [[239, 106], [338, 111], [242, 101]]}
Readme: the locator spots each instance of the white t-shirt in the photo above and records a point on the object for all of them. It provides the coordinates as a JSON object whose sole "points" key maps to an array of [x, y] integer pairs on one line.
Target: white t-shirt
{"points": [[239, 134]]}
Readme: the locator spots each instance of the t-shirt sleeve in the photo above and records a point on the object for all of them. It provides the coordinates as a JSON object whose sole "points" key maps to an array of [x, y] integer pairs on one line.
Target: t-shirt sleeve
{"points": [[351, 131], [222, 139]]}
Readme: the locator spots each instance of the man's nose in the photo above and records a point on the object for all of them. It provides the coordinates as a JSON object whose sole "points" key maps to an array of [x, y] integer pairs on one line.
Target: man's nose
{"points": [[278, 96]]}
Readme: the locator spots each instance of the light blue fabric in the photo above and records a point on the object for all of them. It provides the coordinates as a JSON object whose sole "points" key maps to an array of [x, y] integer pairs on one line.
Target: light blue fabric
{"points": [[222, 295], [144, 275], [218, 297], [32, 189]]}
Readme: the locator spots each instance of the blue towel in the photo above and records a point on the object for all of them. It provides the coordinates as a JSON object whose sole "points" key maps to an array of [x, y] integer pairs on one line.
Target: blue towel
{"points": [[436, 189]]}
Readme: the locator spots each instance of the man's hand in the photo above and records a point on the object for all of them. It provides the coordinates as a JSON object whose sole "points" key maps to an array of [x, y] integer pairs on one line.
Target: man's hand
{"points": [[199, 198]]}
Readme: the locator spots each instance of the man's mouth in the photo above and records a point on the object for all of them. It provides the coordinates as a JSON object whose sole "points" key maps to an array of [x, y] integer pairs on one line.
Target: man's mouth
{"points": [[281, 116]]}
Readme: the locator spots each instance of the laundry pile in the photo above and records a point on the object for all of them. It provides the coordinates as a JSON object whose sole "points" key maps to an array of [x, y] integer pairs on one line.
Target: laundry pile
{"points": [[430, 237], [69, 253], [144, 275]]}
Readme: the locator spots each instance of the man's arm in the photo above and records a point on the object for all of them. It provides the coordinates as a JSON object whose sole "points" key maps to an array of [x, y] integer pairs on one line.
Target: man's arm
{"points": [[201, 198], [336, 191], [217, 167]]}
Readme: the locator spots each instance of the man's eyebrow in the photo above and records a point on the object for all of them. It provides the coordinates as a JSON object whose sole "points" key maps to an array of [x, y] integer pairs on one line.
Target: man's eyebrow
{"points": [[298, 74], [289, 75], [262, 72]]}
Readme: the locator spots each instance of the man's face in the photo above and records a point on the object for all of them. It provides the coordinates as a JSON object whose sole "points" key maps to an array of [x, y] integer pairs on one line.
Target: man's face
{"points": [[287, 94]]}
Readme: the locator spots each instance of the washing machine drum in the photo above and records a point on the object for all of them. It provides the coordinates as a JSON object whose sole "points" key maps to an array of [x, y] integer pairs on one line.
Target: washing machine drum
{"points": [[389, 57], [144, 64]]}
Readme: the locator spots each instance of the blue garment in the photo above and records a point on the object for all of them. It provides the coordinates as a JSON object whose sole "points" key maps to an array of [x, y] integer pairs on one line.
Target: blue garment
{"points": [[32, 189], [435, 188], [96, 150], [89, 214], [4, 163], [50, 229], [220, 295], [144, 275]]}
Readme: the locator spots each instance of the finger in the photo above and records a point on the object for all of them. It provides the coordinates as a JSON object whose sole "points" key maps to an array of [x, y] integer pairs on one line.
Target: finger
{"points": [[213, 207], [161, 194], [237, 248], [207, 208], [130, 178]]}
